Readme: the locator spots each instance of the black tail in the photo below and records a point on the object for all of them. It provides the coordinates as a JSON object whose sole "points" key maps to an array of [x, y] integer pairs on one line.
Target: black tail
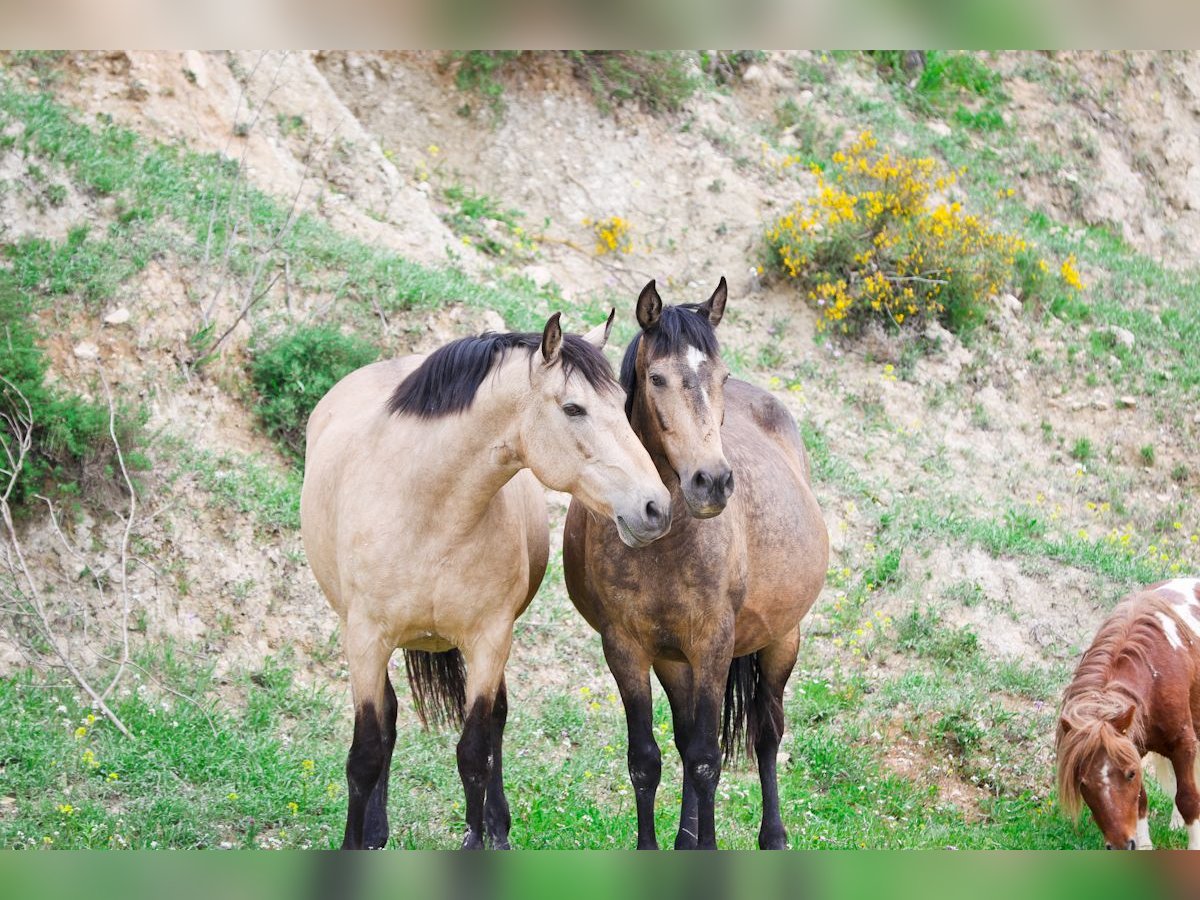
{"points": [[439, 686], [739, 730]]}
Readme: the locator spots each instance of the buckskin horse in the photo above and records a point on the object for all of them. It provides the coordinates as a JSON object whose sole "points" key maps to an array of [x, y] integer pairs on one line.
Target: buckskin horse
{"points": [[714, 607], [427, 532]]}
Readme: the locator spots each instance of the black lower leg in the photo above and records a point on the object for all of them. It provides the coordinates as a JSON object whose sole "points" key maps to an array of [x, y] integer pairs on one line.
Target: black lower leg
{"points": [[363, 767], [772, 835], [702, 765], [375, 833], [497, 819], [474, 768]]}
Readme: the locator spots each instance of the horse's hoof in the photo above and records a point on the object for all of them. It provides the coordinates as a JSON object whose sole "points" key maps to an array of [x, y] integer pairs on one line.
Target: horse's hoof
{"points": [[471, 841], [768, 841]]}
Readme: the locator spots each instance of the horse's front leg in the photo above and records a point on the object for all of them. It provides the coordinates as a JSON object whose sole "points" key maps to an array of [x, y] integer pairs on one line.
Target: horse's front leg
{"points": [[676, 678], [702, 760], [631, 669], [486, 657], [1187, 797], [496, 815], [1142, 836]]}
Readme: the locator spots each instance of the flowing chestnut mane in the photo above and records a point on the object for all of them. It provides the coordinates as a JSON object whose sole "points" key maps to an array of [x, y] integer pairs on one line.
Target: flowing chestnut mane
{"points": [[1092, 700]]}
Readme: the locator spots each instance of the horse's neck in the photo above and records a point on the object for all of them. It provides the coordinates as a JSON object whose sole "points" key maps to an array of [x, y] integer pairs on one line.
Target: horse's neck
{"points": [[459, 463], [1135, 677]]}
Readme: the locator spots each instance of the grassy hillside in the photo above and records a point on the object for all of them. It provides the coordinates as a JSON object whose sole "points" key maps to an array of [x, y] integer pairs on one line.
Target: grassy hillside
{"points": [[992, 483]]}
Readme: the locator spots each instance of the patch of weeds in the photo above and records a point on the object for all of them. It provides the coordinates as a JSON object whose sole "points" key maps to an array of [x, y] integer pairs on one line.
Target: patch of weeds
{"points": [[1179, 473], [480, 220], [1082, 451], [289, 125], [1146, 453], [966, 593], [922, 632], [294, 370], [658, 81], [475, 73], [246, 484]]}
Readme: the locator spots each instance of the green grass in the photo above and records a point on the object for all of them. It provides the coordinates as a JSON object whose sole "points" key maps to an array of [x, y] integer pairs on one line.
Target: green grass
{"points": [[266, 770]]}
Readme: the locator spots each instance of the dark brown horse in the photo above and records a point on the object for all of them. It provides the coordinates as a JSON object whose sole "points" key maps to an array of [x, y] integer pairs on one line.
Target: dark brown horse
{"points": [[714, 607], [1136, 691]]}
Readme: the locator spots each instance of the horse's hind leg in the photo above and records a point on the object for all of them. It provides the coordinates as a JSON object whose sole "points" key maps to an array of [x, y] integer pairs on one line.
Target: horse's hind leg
{"points": [[485, 658], [775, 667], [375, 832], [676, 678], [631, 669], [496, 816], [367, 656]]}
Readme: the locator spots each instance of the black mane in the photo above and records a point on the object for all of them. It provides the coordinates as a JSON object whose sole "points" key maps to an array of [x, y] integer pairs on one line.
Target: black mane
{"points": [[678, 328], [447, 381]]}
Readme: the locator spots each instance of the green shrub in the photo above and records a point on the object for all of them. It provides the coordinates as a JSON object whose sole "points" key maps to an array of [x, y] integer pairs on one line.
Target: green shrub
{"points": [[71, 450], [294, 370]]}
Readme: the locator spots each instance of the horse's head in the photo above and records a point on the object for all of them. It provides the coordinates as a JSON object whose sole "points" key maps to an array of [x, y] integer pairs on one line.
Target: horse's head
{"points": [[575, 436], [675, 379], [1100, 765]]}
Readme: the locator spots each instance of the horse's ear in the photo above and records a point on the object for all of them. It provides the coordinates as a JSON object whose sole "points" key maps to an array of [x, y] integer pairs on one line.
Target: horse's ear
{"points": [[598, 336], [649, 306], [714, 307], [1064, 725], [1124, 720], [552, 339]]}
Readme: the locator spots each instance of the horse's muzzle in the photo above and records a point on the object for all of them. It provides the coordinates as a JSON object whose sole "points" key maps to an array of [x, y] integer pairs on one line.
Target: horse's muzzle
{"points": [[655, 521], [707, 493]]}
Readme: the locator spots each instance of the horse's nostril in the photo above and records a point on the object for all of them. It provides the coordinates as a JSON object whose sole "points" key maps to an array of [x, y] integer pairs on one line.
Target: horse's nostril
{"points": [[1132, 845], [702, 480], [727, 483], [1107, 845], [654, 515]]}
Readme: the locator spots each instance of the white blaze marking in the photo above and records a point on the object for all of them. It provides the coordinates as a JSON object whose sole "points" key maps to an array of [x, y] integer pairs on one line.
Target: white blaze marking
{"points": [[1143, 835], [1170, 630], [1194, 835], [1104, 775]]}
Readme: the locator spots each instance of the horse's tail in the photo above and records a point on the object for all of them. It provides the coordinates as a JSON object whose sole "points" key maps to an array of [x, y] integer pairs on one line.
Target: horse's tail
{"points": [[439, 686], [747, 708]]}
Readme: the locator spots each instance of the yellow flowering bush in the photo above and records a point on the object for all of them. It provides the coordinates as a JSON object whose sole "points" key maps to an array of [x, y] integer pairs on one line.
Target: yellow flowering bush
{"points": [[878, 240], [612, 235]]}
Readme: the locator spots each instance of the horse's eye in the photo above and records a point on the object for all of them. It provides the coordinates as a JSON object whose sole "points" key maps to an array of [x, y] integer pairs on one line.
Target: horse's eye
{"points": [[725, 378], [573, 410], [1129, 775], [657, 380]]}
